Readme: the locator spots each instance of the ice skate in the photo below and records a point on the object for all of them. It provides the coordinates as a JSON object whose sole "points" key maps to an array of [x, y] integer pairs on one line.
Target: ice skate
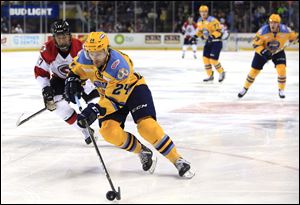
{"points": [[242, 92], [210, 78], [281, 93], [148, 163], [222, 76], [184, 168]]}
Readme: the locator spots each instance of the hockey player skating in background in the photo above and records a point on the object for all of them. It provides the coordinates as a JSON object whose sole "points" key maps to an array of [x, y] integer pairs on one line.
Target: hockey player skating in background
{"points": [[121, 91], [51, 71], [209, 29], [269, 44], [189, 31]]}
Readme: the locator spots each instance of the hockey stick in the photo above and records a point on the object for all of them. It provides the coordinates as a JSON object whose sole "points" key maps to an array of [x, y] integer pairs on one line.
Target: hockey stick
{"points": [[28, 118], [20, 122], [110, 195]]}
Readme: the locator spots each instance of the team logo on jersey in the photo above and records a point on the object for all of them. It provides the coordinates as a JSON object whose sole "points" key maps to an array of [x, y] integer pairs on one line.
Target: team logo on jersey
{"points": [[99, 84], [63, 69], [115, 64], [123, 72], [99, 75], [273, 45]]}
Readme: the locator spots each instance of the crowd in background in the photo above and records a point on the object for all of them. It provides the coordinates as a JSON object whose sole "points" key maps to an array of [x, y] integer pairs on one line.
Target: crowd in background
{"points": [[165, 16]]}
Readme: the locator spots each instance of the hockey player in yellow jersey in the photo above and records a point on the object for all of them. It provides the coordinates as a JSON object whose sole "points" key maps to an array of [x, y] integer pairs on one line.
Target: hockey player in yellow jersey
{"points": [[209, 29], [121, 91], [269, 44]]}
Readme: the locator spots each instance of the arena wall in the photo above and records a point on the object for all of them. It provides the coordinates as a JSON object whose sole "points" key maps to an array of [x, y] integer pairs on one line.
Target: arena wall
{"points": [[163, 41]]}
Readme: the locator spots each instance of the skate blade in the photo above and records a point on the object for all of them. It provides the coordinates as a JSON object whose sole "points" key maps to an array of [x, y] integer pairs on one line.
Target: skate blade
{"points": [[153, 166], [188, 175]]}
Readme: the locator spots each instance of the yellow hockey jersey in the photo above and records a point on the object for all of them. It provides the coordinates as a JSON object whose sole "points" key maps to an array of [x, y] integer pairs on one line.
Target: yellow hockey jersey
{"points": [[210, 27], [274, 42], [115, 80]]}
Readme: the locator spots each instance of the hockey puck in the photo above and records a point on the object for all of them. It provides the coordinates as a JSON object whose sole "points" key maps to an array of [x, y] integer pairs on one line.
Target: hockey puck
{"points": [[111, 195]]}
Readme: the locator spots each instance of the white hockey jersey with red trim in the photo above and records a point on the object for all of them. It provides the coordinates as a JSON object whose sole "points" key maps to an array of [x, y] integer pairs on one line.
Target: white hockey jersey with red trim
{"points": [[189, 29], [51, 62]]}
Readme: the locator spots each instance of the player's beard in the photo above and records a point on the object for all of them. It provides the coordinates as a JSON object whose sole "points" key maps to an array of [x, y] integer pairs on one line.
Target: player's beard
{"points": [[97, 63], [64, 47]]}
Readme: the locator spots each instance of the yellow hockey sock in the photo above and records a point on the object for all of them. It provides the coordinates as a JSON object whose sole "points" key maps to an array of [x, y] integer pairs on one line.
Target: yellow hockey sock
{"points": [[281, 71], [112, 132], [217, 65], [151, 131], [207, 66], [251, 77]]}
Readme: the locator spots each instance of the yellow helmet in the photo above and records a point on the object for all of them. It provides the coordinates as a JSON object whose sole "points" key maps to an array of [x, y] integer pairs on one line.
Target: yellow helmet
{"points": [[96, 41], [203, 8], [274, 18]]}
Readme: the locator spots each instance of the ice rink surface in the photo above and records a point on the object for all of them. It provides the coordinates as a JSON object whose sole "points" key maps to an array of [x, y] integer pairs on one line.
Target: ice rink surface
{"points": [[243, 150]]}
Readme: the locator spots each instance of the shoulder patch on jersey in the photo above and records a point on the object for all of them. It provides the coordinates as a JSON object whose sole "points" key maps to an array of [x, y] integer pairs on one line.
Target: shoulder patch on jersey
{"points": [[122, 73], [115, 64]]}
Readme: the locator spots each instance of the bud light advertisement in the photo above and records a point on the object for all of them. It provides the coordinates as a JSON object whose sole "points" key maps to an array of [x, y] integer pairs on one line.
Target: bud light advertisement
{"points": [[30, 11]]}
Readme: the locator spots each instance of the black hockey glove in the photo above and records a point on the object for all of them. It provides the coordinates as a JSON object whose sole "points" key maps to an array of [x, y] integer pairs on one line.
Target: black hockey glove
{"points": [[48, 95], [73, 88], [266, 53], [90, 114], [194, 39]]}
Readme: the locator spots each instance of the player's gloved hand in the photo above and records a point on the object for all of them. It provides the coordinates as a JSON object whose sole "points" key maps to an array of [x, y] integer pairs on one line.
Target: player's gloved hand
{"points": [[90, 114], [48, 95], [266, 53], [194, 39], [183, 32], [73, 88]]}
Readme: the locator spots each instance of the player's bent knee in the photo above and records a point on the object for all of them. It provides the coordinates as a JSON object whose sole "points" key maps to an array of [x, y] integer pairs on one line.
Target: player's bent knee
{"points": [[150, 130]]}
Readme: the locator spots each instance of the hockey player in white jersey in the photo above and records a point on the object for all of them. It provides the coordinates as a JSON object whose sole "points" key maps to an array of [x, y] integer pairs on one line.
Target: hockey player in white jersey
{"points": [[52, 68], [189, 31]]}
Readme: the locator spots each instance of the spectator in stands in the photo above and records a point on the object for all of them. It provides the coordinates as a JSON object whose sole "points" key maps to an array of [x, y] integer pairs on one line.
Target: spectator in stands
{"points": [[18, 29], [4, 28]]}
